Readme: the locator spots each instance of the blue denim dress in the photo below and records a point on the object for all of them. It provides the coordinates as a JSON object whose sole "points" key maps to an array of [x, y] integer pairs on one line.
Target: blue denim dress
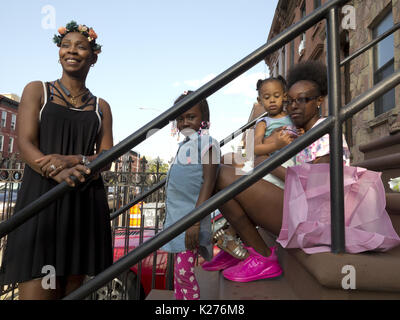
{"points": [[184, 181], [274, 123]]}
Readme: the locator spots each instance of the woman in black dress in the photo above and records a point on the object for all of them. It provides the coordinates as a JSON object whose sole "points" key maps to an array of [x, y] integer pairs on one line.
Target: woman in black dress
{"points": [[61, 128]]}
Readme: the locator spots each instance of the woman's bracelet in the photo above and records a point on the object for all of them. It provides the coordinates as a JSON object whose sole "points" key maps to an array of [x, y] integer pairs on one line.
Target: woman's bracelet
{"points": [[84, 160]]}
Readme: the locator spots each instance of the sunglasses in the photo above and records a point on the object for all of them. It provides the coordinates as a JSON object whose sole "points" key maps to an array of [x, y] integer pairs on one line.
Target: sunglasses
{"points": [[301, 101]]}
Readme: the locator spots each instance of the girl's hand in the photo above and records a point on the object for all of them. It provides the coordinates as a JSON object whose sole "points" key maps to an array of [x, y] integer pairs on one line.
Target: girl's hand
{"points": [[52, 164], [77, 171], [192, 237]]}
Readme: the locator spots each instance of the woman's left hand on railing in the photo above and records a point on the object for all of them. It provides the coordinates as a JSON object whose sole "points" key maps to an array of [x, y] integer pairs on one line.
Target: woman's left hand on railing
{"points": [[192, 237], [78, 171]]}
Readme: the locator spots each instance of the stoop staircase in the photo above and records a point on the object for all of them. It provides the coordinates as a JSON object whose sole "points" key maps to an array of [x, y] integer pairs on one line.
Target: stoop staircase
{"points": [[382, 154], [319, 276]]}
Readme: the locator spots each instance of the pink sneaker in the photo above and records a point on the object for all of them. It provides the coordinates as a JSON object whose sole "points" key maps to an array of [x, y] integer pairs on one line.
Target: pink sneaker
{"points": [[255, 267], [221, 261]]}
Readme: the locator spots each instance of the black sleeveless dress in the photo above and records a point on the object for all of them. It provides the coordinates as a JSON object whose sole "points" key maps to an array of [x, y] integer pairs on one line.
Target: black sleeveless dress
{"points": [[72, 234]]}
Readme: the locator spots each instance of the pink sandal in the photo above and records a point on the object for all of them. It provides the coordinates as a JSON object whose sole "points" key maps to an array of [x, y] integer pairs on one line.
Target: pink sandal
{"points": [[230, 244], [221, 261]]}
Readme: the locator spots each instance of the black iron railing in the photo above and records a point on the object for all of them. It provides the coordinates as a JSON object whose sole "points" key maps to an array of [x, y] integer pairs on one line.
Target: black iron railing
{"points": [[330, 8]]}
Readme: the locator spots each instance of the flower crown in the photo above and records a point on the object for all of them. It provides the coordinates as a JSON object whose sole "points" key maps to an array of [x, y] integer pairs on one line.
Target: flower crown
{"points": [[83, 29]]}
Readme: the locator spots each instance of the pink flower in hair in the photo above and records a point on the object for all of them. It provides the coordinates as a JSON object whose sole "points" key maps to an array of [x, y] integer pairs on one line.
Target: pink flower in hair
{"points": [[92, 34], [62, 30]]}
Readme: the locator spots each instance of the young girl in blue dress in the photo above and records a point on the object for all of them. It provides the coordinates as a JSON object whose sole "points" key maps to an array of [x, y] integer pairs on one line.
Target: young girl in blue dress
{"points": [[190, 182], [271, 96]]}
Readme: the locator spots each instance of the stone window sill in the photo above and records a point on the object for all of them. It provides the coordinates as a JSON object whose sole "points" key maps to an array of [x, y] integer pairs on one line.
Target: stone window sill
{"points": [[381, 119]]}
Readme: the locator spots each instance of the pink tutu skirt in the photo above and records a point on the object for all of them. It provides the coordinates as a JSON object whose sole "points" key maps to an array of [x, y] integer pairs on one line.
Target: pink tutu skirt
{"points": [[306, 213]]}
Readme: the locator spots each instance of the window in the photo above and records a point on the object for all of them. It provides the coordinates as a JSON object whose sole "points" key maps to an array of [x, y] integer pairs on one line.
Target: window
{"points": [[3, 118], [11, 145], [13, 121], [303, 13], [384, 63], [276, 69], [317, 4], [283, 63], [1, 143]]}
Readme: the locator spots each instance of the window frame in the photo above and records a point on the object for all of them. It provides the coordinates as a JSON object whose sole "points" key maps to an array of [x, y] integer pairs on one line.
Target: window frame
{"points": [[379, 107], [10, 145], [1, 143], [13, 121]]}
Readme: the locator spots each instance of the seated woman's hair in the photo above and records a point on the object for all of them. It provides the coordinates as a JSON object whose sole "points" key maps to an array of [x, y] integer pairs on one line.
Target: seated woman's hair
{"points": [[72, 26], [314, 71], [278, 78], [205, 111]]}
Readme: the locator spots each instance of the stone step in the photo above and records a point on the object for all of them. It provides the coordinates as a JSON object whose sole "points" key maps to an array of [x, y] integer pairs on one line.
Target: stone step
{"points": [[157, 294], [213, 286], [269, 289]]}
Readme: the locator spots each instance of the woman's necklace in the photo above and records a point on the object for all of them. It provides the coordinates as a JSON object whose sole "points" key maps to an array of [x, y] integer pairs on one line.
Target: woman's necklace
{"points": [[70, 96]]}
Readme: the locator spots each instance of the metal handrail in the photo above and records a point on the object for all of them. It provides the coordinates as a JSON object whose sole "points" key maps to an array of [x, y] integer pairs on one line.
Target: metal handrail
{"points": [[144, 132], [370, 44], [248, 125], [235, 188], [331, 125]]}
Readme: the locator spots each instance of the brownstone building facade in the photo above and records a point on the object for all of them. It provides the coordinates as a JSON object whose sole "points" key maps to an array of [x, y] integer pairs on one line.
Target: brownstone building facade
{"points": [[371, 19]]}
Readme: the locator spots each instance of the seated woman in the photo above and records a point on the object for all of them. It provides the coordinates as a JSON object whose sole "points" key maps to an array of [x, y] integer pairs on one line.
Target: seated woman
{"points": [[262, 203]]}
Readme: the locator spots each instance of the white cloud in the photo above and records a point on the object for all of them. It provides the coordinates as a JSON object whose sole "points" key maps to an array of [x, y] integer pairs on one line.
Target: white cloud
{"points": [[244, 85]]}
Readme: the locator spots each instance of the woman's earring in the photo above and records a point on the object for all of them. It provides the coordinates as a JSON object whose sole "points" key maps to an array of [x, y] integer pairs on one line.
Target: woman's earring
{"points": [[204, 126]]}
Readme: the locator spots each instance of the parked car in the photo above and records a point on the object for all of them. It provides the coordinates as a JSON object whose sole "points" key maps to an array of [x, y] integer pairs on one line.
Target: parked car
{"points": [[8, 199], [127, 282]]}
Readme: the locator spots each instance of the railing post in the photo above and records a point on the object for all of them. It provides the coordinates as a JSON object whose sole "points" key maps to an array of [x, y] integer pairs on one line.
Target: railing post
{"points": [[335, 136]]}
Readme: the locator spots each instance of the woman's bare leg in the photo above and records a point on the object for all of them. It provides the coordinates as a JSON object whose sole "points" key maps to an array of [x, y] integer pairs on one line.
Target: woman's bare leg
{"points": [[261, 204]]}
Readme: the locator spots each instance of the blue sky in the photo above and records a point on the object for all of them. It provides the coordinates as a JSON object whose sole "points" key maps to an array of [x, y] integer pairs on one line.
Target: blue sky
{"points": [[153, 50]]}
